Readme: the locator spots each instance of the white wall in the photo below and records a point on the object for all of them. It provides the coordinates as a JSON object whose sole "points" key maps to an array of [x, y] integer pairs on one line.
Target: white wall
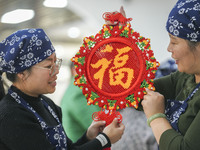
{"points": [[149, 18]]}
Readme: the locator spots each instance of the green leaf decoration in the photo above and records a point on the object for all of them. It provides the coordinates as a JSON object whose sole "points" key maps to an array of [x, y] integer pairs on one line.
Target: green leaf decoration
{"points": [[106, 34], [141, 45], [149, 65], [96, 103], [128, 104], [144, 84], [132, 31], [138, 99], [81, 60], [141, 37], [130, 98], [78, 53], [125, 33], [112, 102], [91, 43], [82, 79], [94, 95]]}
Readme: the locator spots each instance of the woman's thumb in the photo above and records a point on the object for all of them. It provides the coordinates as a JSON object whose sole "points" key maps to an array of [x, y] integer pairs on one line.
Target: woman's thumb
{"points": [[115, 121]]}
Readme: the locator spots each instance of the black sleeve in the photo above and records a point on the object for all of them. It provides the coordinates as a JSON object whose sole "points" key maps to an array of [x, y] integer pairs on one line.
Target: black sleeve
{"points": [[3, 146], [22, 132], [84, 144]]}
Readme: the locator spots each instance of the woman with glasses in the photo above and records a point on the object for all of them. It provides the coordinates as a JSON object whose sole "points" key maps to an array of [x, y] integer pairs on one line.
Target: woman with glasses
{"points": [[28, 119]]}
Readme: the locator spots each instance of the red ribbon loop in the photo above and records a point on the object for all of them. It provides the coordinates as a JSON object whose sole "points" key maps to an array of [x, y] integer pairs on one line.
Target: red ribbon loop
{"points": [[115, 17]]}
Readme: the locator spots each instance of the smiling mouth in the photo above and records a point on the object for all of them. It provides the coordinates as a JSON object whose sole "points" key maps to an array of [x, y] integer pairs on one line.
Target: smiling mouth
{"points": [[176, 60], [53, 83], [53, 80]]}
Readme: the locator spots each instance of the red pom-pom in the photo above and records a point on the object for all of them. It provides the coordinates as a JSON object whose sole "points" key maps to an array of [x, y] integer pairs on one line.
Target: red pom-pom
{"points": [[106, 115]]}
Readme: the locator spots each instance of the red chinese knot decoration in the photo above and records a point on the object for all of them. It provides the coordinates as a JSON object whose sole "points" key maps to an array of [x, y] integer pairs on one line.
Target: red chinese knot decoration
{"points": [[114, 67]]}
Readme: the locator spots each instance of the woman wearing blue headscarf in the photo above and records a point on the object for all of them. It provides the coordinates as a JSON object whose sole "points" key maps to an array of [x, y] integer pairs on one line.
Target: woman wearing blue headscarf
{"points": [[173, 111], [28, 119]]}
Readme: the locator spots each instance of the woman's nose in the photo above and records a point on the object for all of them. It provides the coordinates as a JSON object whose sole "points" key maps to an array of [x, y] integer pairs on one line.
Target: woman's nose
{"points": [[55, 70], [169, 49]]}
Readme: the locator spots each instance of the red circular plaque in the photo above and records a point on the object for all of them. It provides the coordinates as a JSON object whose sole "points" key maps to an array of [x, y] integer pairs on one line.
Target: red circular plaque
{"points": [[121, 67], [114, 67]]}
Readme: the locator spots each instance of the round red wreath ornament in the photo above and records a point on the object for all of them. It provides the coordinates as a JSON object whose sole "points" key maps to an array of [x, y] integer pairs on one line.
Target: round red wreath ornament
{"points": [[114, 67]]}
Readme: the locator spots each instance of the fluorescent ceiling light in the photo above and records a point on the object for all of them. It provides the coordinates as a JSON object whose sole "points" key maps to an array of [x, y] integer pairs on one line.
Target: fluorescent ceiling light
{"points": [[73, 32], [17, 16], [55, 3]]}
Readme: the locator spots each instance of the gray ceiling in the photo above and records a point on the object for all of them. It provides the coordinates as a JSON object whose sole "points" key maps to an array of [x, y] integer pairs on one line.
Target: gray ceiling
{"points": [[45, 17]]}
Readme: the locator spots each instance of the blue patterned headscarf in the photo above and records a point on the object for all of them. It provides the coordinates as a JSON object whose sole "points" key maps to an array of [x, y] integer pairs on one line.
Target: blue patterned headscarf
{"points": [[184, 20], [23, 49]]}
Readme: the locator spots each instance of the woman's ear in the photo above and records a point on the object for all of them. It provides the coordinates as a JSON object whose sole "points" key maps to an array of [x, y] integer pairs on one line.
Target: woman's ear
{"points": [[20, 75], [23, 75]]}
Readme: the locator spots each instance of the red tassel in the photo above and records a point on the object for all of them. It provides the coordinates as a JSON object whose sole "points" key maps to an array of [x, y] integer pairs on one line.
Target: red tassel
{"points": [[108, 116]]}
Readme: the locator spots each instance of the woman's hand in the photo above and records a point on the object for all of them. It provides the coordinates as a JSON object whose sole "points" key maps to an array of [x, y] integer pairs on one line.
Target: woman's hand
{"points": [[114, 131], [94, 129], [153, 103]]}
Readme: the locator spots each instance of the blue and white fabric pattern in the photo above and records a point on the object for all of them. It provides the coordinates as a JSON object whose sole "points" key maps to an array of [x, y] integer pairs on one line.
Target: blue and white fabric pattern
{"points": [[184, 20], [23, 49], [175, 108], [55, 134]]}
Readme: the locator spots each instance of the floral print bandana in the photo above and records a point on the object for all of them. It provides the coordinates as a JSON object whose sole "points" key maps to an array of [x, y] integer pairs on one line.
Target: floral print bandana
{"points": [[184, 20], [23, 49]]}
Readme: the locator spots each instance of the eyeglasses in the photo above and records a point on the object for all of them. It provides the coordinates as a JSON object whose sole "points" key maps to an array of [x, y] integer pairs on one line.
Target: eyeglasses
{"points": [[52, 69]]}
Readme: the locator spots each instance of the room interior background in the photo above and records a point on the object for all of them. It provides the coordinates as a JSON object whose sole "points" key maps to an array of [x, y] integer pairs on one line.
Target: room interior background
{"points": [[67, 22]]}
